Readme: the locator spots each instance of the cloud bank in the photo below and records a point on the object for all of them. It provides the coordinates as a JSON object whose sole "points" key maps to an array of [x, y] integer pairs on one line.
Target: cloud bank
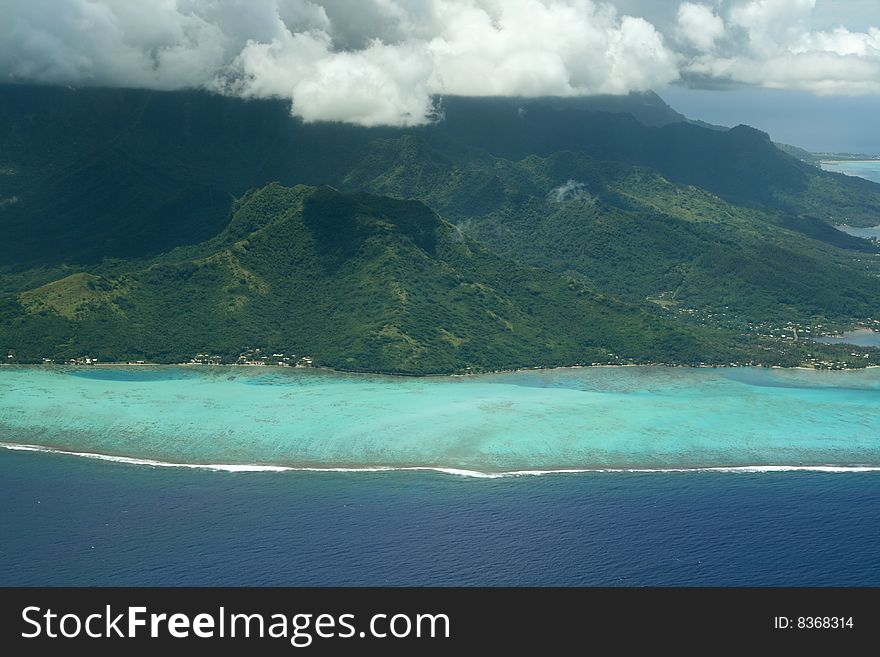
{"points": [[769, 43], [383, 62]]}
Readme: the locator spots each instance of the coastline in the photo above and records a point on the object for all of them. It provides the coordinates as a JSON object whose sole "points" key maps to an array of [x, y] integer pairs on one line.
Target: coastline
{"points": [[833, 162], [332, 370], [843, 364]]}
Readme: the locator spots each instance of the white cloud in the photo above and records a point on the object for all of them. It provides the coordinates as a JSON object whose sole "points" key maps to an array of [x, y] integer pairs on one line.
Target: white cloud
{"points": [[771, 24], [534, 47], [377, 62], [379, 85], [515, 47], [96, 43], [842, 42], [571, 190], [382, 64], [699, 26], [775, 47]]}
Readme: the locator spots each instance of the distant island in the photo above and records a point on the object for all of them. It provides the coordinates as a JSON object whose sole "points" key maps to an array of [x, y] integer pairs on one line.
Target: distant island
{"points": [[847, 157], [816, 158]]}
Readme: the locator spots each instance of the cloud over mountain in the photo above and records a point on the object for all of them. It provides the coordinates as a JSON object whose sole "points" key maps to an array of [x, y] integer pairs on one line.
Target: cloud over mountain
{"points": [[376, 62]]}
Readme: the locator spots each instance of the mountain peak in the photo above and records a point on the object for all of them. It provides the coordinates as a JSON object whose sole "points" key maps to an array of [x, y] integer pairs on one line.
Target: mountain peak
{"points": [[747, 130]]}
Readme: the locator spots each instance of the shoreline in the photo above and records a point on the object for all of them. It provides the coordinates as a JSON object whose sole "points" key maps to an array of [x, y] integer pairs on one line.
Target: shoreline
{"points": [[331, 370], [833, 162], [86, 361]]}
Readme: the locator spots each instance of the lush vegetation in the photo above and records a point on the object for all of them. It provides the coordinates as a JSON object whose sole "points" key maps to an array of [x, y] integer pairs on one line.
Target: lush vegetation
{"points": [[355, 281], [635, 234], [524, 233], [92, 173]]}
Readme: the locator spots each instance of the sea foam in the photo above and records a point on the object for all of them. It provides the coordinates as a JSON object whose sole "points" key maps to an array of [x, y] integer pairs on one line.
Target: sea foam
{"points": [[257, 467]]}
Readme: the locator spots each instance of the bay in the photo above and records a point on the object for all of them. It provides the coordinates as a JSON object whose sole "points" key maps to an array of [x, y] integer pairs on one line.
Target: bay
{"points": [[868, 169], [859, 338]]}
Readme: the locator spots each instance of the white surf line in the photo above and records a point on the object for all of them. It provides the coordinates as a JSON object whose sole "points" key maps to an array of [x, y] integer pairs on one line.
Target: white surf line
{"points": [[231, 467]]}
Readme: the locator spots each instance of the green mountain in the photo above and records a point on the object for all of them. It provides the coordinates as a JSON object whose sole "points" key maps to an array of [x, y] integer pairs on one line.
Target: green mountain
{"points": [[357, 282], [800, 153], [92, 173], [639, 236], [524, 232]]}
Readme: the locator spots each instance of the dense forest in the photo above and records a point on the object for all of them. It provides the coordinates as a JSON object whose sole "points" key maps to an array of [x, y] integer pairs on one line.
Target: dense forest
{"points": [[513, 233], [355, 282]]}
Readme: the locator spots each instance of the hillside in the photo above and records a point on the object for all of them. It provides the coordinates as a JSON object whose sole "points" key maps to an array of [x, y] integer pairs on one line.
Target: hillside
{"points": [[91, 173], [637, 235], [357, 282], [615, 230]]}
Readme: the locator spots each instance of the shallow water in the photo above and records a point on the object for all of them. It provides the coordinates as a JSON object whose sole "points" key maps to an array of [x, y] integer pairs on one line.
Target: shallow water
{"points": [[859, 338], [871, 232], [570, 419], [869, 169]]}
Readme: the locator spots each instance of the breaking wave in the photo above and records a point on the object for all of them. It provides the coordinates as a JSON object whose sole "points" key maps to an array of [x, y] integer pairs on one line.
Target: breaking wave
{"points": [[261, 467]]}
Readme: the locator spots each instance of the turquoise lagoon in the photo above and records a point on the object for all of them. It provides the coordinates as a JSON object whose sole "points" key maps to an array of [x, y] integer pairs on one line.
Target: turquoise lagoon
{"points": [[628, 418]]}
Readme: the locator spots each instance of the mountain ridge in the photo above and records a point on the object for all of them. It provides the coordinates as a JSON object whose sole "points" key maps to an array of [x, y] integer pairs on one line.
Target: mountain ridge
{"points": [[205, 149], [715, 243], [357, 282]]}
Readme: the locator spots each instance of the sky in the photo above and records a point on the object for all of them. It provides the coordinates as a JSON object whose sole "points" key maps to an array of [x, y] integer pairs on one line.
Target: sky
{"points": [[385, 62], [823, 124]]}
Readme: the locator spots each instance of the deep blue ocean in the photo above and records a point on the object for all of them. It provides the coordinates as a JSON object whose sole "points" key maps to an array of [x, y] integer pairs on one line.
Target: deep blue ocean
{"points": [[71, 521]]}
